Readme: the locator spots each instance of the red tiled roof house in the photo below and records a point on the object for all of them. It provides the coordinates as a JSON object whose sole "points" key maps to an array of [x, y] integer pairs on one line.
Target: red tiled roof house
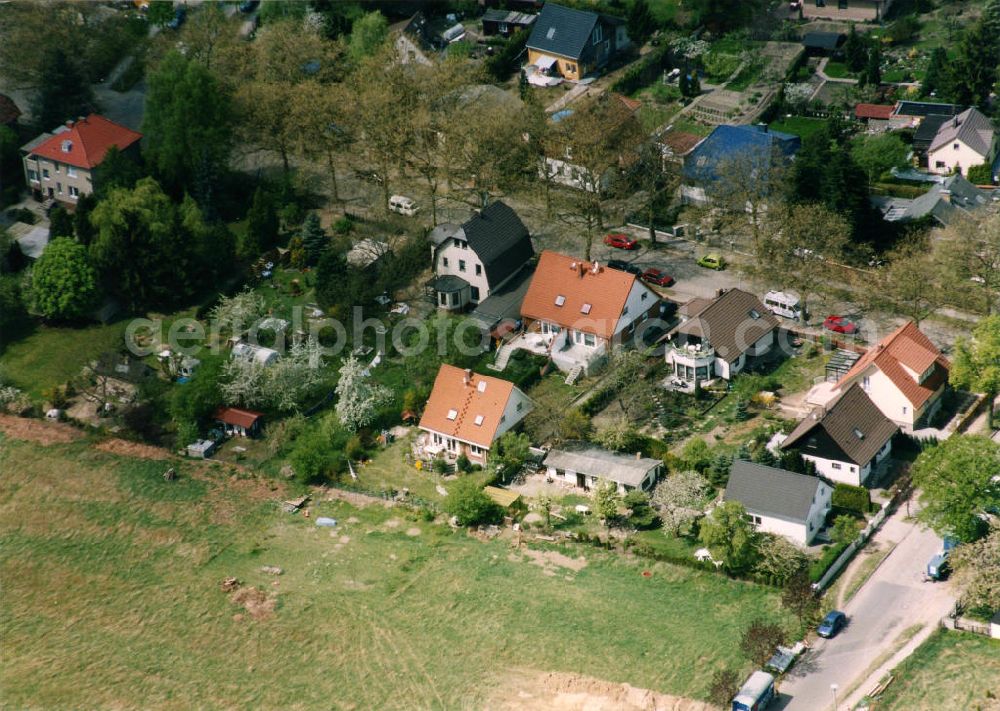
{"points": [[905, 375], [237, 421], [574, 309], [467, 412], [60, 165]]}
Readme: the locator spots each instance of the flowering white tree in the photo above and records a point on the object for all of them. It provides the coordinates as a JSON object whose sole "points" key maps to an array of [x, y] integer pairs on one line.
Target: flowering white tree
{"points": [[239, 312], [282, 385], [358, 399], [680, 498]]}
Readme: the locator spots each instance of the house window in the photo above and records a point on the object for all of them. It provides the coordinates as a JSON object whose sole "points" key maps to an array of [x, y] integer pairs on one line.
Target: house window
{"points": [[955, 146], [454, 299], [479, 270], [866, 383], [589, 339], [70, 171], [625, 310], [853, 469], [444, 262], [474, 290], [835, 465], [598, 34], [519, 406], [754, 519], [461, 265], [502, 28], [32, 175], [45, 173], [939, 164], [644, 295], [443, 299], [904, 409], [74, 191], [59, 188], [58, 168]]}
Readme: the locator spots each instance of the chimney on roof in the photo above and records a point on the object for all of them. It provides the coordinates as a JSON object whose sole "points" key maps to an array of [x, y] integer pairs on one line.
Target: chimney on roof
{"points": [[69, 123], [81, 119], [468, 376], [638, 456], [596, 268], [954, 121]]}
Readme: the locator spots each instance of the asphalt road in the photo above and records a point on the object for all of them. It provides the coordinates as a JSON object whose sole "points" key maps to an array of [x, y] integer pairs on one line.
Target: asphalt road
{"points": [[894, 599]]}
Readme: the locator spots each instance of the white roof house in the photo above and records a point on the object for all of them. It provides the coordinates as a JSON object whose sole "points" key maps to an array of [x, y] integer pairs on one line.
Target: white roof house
{"points": [[585, 465]]}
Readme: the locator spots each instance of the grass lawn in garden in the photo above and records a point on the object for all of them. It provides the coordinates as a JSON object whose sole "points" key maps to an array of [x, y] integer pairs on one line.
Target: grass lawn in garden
{"points": [[688, 126], [748, 75], [653, 114], [951, 670], [801, 126], [113, 583], [837, 70], [48, 356]]}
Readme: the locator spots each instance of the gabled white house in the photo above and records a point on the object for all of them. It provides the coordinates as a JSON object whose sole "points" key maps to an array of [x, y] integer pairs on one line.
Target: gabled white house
{"points": [[467, 412], [905, 375], [779, 501], [961, 142], [718, 337], [474, 259], [846, 440], [575, 309]]}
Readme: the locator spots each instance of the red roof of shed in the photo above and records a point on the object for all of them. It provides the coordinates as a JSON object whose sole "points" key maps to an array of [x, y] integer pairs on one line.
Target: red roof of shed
{"points": [[237, 416], [873, 111]]}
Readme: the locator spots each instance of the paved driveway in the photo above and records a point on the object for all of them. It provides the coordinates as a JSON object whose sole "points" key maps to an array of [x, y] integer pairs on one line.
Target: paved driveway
{"points": [[894, 599]]}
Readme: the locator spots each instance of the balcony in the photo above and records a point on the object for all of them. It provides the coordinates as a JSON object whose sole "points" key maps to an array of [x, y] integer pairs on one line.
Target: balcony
{"points": [[690, 362]]}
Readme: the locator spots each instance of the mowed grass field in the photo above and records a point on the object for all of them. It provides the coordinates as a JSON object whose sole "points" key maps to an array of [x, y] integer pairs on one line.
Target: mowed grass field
{"points": [[112, 599], [951, 670]]}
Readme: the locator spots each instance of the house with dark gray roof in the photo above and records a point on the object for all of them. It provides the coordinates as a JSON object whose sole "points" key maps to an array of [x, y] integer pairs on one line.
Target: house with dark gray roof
{"points": [[779, 501], [477, 258], [573, 43], [945, 202], [961, 142], [823, 43], [582, 466], [718, 338], [505, 22], [846, 440]]}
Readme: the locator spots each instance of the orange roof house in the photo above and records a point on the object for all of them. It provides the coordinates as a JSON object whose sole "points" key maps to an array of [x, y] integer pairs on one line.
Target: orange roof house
{"points": [[878, 112], [585, 296], [467, 412], [905, 375], [59, 165]]}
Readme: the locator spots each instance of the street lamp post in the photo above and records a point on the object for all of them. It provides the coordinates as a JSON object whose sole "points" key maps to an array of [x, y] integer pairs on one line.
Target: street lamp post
{"points": [[833, 688]]}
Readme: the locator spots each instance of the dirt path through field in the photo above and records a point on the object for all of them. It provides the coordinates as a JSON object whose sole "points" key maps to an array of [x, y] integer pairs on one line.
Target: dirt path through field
{"points": [[527, 690], [40, 431]]}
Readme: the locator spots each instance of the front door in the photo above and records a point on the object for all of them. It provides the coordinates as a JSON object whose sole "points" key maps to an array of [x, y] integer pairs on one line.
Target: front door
{"points": [[581, 481], [52, 193]]}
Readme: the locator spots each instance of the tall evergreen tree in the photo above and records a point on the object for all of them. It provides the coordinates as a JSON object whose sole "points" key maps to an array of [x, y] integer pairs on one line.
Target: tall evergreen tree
{"points": [[974, 70], [872, 74], [262, 226], [314, 238], [64, 94], [936, 77], [641, 23], [60, 223], [855, 50]]}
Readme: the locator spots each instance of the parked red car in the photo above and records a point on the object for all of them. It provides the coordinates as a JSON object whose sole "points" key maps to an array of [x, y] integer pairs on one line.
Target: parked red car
{"points": [[620, 241], [658, 277], [840, 324]]}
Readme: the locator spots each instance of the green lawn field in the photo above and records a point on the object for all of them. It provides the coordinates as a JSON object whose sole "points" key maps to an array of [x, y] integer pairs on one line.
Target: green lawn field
{"points": [[951, 670], [112, 599]]}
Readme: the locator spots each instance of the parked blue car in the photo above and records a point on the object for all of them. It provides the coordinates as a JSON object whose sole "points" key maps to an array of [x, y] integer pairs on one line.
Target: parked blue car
{"points": [[834, 621]]}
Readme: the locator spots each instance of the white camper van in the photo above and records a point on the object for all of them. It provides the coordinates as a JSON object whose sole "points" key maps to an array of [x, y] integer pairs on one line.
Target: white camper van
{"points": [[403, 205], [783, 304]]}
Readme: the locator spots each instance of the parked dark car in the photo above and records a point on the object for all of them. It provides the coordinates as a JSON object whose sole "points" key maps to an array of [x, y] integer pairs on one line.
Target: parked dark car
{"points": [[625, 267], [834, 621], [658, 277], [620, 241], [180, 14]]}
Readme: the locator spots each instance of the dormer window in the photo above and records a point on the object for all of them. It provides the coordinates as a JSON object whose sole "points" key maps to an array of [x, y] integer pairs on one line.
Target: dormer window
{"points": [[479, 420], [551, 33], [858, 433], [481, 387], [585, 309], [754, 314], [67, 146], [560, 300], [452, 414]]}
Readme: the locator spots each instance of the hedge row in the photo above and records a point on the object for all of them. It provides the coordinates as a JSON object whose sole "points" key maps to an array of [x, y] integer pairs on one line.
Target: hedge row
{"points": [[818, 568], [643, 72], [852, 498]]}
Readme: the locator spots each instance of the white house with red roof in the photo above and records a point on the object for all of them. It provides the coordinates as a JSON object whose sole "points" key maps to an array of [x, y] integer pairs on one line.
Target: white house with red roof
{"points": [[575, 309], [467, 412], [905, 375], [60, 165]]}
